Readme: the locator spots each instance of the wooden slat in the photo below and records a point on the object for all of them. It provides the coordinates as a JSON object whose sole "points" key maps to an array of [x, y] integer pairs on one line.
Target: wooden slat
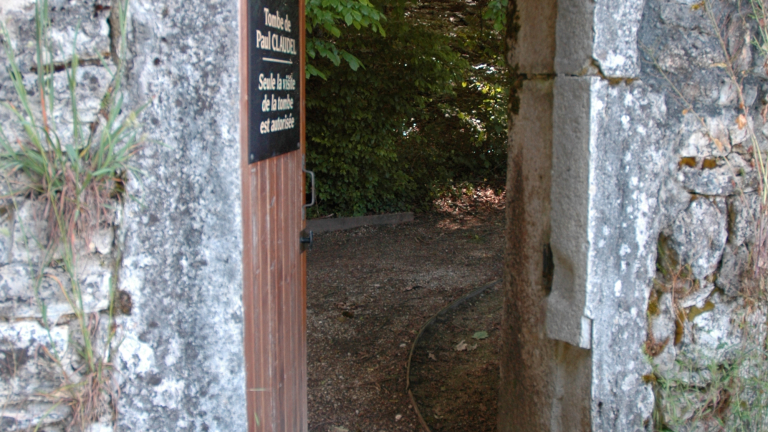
{"points": [[266, 350], [284, 264], [282, 319]]}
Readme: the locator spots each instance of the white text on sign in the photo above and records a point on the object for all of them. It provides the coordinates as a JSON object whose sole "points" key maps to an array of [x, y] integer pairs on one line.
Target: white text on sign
{"points": [[276, 21], [287, 82]]}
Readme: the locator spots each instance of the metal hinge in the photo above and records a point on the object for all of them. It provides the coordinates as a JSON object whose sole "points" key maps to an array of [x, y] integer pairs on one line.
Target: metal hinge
{"points": [[306, 237]]}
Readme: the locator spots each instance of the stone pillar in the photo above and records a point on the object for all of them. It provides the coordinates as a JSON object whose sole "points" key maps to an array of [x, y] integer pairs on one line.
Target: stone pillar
{"points": [[181, 362], [608, 161], [587, 155], [526, 388]]}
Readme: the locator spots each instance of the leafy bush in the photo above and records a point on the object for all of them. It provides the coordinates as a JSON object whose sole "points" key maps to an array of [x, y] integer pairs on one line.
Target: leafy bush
{"points": [[426, 111]]}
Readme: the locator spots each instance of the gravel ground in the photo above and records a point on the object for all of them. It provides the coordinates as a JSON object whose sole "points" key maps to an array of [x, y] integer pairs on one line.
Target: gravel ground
{"points": [[369, 292]]}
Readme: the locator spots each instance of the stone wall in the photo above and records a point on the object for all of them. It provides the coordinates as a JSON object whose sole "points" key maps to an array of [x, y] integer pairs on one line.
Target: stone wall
{"points": [[707, 308], [169, 256], [40, 336], [653, 227]]}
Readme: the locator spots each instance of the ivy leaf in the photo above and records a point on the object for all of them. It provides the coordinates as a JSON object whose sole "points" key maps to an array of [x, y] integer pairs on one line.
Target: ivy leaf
{"points": [[313, 71], [354, 62]]}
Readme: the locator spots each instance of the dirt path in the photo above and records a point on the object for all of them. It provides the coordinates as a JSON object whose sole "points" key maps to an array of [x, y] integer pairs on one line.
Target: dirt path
{"points": [[455, 367], [369, 292]]}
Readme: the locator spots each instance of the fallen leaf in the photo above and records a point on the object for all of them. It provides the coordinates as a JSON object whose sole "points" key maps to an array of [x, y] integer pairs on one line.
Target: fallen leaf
{"points": [[719, 144], [687, 161], [695, 311], [432, 357], [461, 346], [480, 335], [741, 121], [679, 326], [398, 417]]}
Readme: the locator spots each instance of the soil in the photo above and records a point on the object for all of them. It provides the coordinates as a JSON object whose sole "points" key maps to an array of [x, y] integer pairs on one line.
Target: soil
{"points": [[455, 368], [371, 289]]}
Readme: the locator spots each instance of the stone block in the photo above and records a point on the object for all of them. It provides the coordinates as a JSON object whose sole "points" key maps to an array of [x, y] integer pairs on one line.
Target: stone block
{"points": [[535, 46], [745, 212], [182, 243], [575, 36], [732, 268], [663, 324], [602, 34], [93, 82], [717, 338], [673, 198], [76, 26], [27, 360], [40, 416], [6, 234], [615, 46], [698, 297], [628, 166], [30, 233], [699, 235], [22, 297], [609, 164], [102, 241], [528, 226], [68, 18], [15, 7], [566, 318], [719, 181]]}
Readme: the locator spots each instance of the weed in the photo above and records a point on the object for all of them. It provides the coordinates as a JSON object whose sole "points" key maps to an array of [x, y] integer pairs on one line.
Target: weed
{"points": [[730, 394], [75, 179]]}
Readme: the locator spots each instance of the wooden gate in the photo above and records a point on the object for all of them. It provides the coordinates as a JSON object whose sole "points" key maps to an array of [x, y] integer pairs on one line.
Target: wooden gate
{"points": [[274, 288]]}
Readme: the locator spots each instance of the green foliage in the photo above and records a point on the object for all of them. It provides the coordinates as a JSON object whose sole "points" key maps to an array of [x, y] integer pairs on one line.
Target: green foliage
{"points": [[462, 138], [354, 122], [426, 112], [324, 19], [496, 11]]}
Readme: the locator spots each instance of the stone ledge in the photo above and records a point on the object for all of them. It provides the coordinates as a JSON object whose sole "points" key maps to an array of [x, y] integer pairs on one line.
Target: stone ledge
{"points": [[339, 224]]}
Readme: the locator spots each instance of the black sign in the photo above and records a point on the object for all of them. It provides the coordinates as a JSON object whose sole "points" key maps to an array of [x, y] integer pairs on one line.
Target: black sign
{"points": [[274, 87]]}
